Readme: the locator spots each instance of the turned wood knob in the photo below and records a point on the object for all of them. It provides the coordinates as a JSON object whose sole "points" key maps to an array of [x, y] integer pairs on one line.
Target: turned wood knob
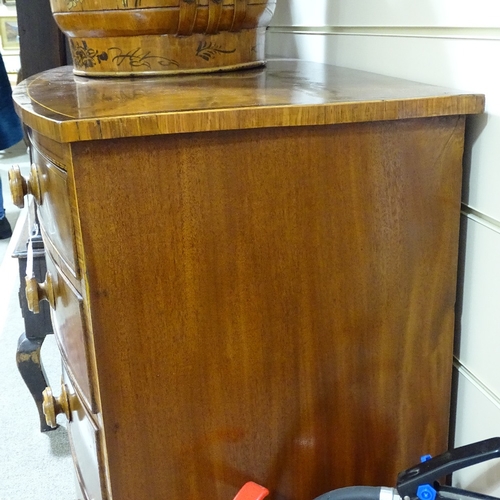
{"points": [[20, 187], [53, 406], [36, 292]]}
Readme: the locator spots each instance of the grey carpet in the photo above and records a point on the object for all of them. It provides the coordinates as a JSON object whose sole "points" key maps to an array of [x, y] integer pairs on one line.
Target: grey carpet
{"points": [[33, 465]]}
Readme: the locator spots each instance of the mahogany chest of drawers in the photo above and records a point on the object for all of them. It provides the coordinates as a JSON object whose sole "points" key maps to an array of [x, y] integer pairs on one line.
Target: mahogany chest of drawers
{"points": [[252, 276]]}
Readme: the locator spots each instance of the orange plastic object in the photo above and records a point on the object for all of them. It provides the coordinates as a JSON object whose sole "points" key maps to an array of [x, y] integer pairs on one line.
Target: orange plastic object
{"points": [[252, 491]]}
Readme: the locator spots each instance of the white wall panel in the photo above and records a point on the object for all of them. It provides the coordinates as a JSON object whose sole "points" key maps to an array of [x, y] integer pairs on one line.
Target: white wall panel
{"points": [[478, 418], [305, 47], [458, 63], [479, 347], [481, 13], [301, 13]]}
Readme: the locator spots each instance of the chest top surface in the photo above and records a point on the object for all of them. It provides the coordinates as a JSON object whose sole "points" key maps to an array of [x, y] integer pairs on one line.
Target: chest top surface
{"points": [[69, 108]]}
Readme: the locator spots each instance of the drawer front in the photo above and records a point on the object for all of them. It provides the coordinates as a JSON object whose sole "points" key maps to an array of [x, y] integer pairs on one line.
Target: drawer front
{"points": [[84, 436], [59, 153], [54, 209], [68, 324]]}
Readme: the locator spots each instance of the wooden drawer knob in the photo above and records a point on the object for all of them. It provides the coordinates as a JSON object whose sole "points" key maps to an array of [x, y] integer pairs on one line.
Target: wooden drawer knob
{"points": [[20, 187], [36, 292], [53, 406]]}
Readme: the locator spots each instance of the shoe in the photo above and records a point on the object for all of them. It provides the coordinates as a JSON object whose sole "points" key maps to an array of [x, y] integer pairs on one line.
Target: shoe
{"points": [[5, 229]]}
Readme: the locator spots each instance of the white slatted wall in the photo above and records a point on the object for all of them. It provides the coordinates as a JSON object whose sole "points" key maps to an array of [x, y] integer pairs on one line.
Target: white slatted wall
{"points": [[455, 43]]}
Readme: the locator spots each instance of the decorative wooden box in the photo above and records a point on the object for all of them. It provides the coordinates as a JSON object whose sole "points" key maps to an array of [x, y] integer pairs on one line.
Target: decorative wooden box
{"points": [[152, 37]]}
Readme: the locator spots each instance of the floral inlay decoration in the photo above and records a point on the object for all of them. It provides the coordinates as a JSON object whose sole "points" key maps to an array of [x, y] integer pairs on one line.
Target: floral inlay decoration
{"points": [[207, 50], [86, 57]]}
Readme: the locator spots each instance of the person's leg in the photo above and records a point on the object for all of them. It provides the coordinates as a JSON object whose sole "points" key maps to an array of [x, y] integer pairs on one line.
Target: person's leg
{"points": [[5, 229], [2, 209], [11, 131]]}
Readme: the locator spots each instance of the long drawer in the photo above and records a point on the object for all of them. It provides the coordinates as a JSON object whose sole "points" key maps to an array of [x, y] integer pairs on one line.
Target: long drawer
{"points": [[69, 328], [85, 438], [54, 209]]}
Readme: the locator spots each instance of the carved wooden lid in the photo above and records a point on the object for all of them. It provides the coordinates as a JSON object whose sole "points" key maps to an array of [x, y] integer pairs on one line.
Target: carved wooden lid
{"points": [[68, 108]]}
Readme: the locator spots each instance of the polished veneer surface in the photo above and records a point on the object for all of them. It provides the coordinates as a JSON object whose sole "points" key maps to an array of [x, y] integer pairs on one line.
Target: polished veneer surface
{"points": [[265, 273]]}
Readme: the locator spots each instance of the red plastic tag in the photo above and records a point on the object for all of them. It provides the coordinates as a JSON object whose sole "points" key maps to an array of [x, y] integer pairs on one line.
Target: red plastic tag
{"points": [[252, 491]]}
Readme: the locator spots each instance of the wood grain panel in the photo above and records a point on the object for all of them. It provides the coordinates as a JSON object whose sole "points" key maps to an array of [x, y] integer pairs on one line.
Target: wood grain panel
{"points": [[68, 324], [58, 153], [265, 297], [54, 210], [287, 93], [85, 437], [184, 21]]}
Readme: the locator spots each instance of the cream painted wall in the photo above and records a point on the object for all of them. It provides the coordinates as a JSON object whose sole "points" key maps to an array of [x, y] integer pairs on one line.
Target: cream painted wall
{"points": [[454, 43]]}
